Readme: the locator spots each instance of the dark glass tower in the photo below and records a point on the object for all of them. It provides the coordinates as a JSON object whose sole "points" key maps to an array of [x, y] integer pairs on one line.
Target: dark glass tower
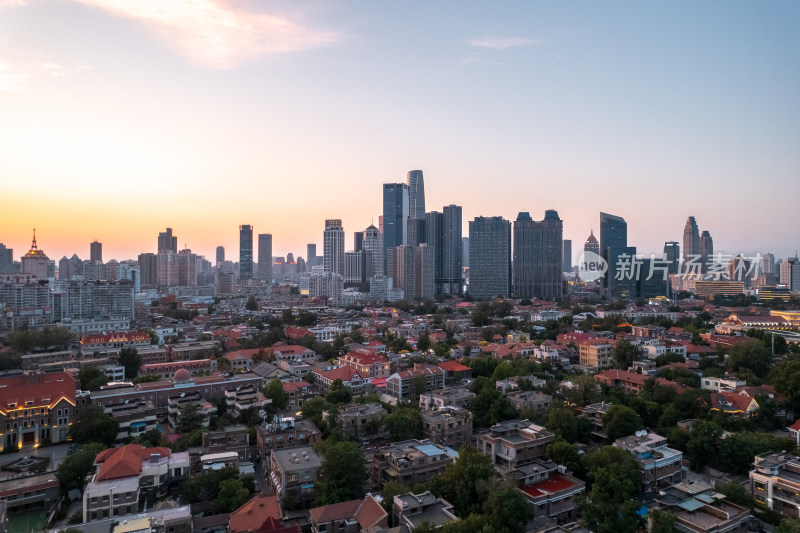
{"points": [[245, 252], [416, 194], [538, 256], [490, 257], [395, 214], [265, 256], [613, 246]]}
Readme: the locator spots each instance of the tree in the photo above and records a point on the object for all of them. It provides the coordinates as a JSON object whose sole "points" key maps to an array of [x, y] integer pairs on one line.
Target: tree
{"points": [[584, 391], [736, 451], [224, 364], [481, 316], [503, 371], [92, 378], [568, 455], [788, 525], [94, 425], [131, 360], [736, 493], [419, 384], [786, 379], [661, 521], [505, 506], [342, 473], [625, 354], [459, 482], [563, 423], [621, 421], [404, 423], [339, 393], [190, 418], [615, 478], [749, 357], [490, 407], [73, 470], [206, 486], [252, 304], [701, 448], [232, 495], [391, 489], [274, 391], [423, 342]]}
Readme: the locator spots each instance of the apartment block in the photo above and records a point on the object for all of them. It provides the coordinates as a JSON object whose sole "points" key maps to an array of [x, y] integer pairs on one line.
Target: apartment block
{"points": [[409, 462], [451, 426], [514, 443], [660, 465]]}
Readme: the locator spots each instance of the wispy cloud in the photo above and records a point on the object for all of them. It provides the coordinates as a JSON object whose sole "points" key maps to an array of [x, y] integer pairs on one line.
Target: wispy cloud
{"points": [[502, 43], [214, 33], [12, 80], [59, 71]]}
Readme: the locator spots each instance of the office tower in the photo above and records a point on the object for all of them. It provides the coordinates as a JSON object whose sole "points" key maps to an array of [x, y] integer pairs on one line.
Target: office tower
{"points": [[424, 277], [400, 267], [538, 259], [220, 256], [706, 250], [6, 260], [451, 249], [357, 268], [657, 285], [672, 254], [566, 253], [691, 240], [767, 264], [591, 244], [615, 250], [415, 231], [265, 256], [790, 273], [148, 269], [246, 252], [167, 242], [333, 247], [96, 252], [311, 256], [490, 257], [416, 194], [132, 273], [373, 244], [395, 214], [358, 241], [63, 269], [35, 261]]}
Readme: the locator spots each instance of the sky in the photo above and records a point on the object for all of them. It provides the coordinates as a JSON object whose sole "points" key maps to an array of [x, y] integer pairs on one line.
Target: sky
{"points": [[119, 118]]}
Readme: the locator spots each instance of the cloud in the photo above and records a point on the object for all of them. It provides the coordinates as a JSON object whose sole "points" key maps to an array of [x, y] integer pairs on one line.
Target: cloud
{"points": [[213, 33], [59, 71], [503, 42], [12, 80]]}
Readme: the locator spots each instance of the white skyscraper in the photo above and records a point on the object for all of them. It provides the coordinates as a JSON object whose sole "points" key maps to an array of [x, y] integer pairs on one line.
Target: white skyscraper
{"points": [[333, 247]]}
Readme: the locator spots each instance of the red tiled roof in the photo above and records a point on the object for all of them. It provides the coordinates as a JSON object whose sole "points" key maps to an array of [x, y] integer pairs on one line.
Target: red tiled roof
{"points": [[125, 461], [291, 349], [297, 333], [115, 336], [242, 354], [365, 359], [253, 515], [345, 373], [795, 426], [378, 383], [36, 389], [556, 482], [420, 371], [453, 366], [737, 401], [294, 385]]}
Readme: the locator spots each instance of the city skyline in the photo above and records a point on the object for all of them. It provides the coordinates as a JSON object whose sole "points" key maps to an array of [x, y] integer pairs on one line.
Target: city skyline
{"points": [[121, 121]]}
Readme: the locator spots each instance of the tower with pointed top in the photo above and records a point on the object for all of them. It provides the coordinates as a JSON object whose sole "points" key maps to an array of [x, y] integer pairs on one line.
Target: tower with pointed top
{"points": [[592, 245], [35, 261]]}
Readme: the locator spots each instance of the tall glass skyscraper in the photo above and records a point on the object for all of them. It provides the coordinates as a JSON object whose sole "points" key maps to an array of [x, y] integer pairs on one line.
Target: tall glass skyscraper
{"points": [[333, 247], [395, 214], [416, 194], [613, 245], [245, 252], [490, 257], [538, 256], [691, 239], [265, 256]]}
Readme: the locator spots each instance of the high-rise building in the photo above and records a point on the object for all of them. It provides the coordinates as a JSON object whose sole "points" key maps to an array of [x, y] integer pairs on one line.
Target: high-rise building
{"points": [[443, 233], [358, 241], [591, 244], [220, 256], [465, 252], [538, 259], [395, 214], [265, 256], [63, 269], [373, 244], [768, 264], [416, 194], [167, 242], [35, 261], [425, 279], [333, 247], [96, 252], [357, 268], [490, 257], [311, 256], [672, 254], [706, 249], [415, 231], [176, 269], [245, 252], [132, 273], [148, 268], [6, 260], [615, 250], [790, 273], [566, 253], [691, 240]]}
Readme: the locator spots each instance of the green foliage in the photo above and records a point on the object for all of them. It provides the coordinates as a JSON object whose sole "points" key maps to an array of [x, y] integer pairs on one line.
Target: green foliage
{"points": [[423, 342], [232, 495], [615, 478], [313, 409], [391, 489], [786, 379], [669, 357], [190, 418], [10, 361], [566, 425], [625, 354], [404, 423], [23, 341], [274, 391], [621, 421], [342, 473], [584, 391], [206, 487], [751, 357], [662, 521], [92, 378], [459, 482], [339, 393], [736, 451], [252, 304], [563, 453], [681, 375], [788, 525], [147, 378], [131, 360], [93, 425], [736, 493], [503, 371], [72, 472], [506, 508], [490, 407], [701, 448]]}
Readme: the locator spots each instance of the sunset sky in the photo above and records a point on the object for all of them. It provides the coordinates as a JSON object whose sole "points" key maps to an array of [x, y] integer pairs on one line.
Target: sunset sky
{"points": [[119, 118]]}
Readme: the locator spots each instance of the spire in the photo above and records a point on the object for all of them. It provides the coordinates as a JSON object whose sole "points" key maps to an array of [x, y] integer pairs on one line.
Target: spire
{"points": [[33, 243]]}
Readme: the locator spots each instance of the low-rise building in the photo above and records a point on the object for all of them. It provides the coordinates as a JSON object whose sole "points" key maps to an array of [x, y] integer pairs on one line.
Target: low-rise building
{"points": [[135, 418], [180, 402], [298, 392], [408, 384], [367, 364], [295, 471], [414, 510], [660, 465], [166, 370], [287, 432], [38, 491], [451, 426], [262, 514], [725, 383], [359, 384], [514, 443], [114, 342], [595, 412], [354, 516], [240, 399], [699, 509], [531, 400], [409, 462], [229, 439], [512, 383], [360, 421], [550, 490], [775, 483], [447, 397], [633, 383], [596, 354]]}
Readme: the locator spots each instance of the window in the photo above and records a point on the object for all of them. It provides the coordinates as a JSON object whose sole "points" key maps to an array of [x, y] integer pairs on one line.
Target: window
{"points": [[307, 475]]}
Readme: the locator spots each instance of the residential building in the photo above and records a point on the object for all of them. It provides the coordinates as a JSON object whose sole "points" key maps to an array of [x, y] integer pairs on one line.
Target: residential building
{"points": [[178, 404], [724, 383], [596, 354], [27, 493], [349, 517], [333, 247], [135, 418], [282, 433], [450, 426], [409, 462], [167, 242], [700, 509], [514, 443], [538, 256], [229, 439], [414, 510], [372, 243], [247, 397], [632, 382], [114, 342], [295, 471], [448, 397], [734, 403], [406, 385], [359, 421], [265, 256], [595, 413], [367, 364], [550, 490], [536, 402], [490, 257], [660, 465], [775, 483], [359, 384]]}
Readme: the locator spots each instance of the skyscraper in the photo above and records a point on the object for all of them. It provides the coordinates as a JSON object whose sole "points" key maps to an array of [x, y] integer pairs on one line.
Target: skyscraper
{"points": [[265, 256], [672, 254], [358, 241], [35, 261], [538, 259], [591, 244], [167, 242], [6, 259], [220, 255], [373, 244], [767, 264], [311, 256], [566, 253], [148, 267], [451, 249], [395, 214], [333, 247], [416, 194], [691, 240], [706, 250], [96, 252], [490, 257], [245, 252], [613, 248]]}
